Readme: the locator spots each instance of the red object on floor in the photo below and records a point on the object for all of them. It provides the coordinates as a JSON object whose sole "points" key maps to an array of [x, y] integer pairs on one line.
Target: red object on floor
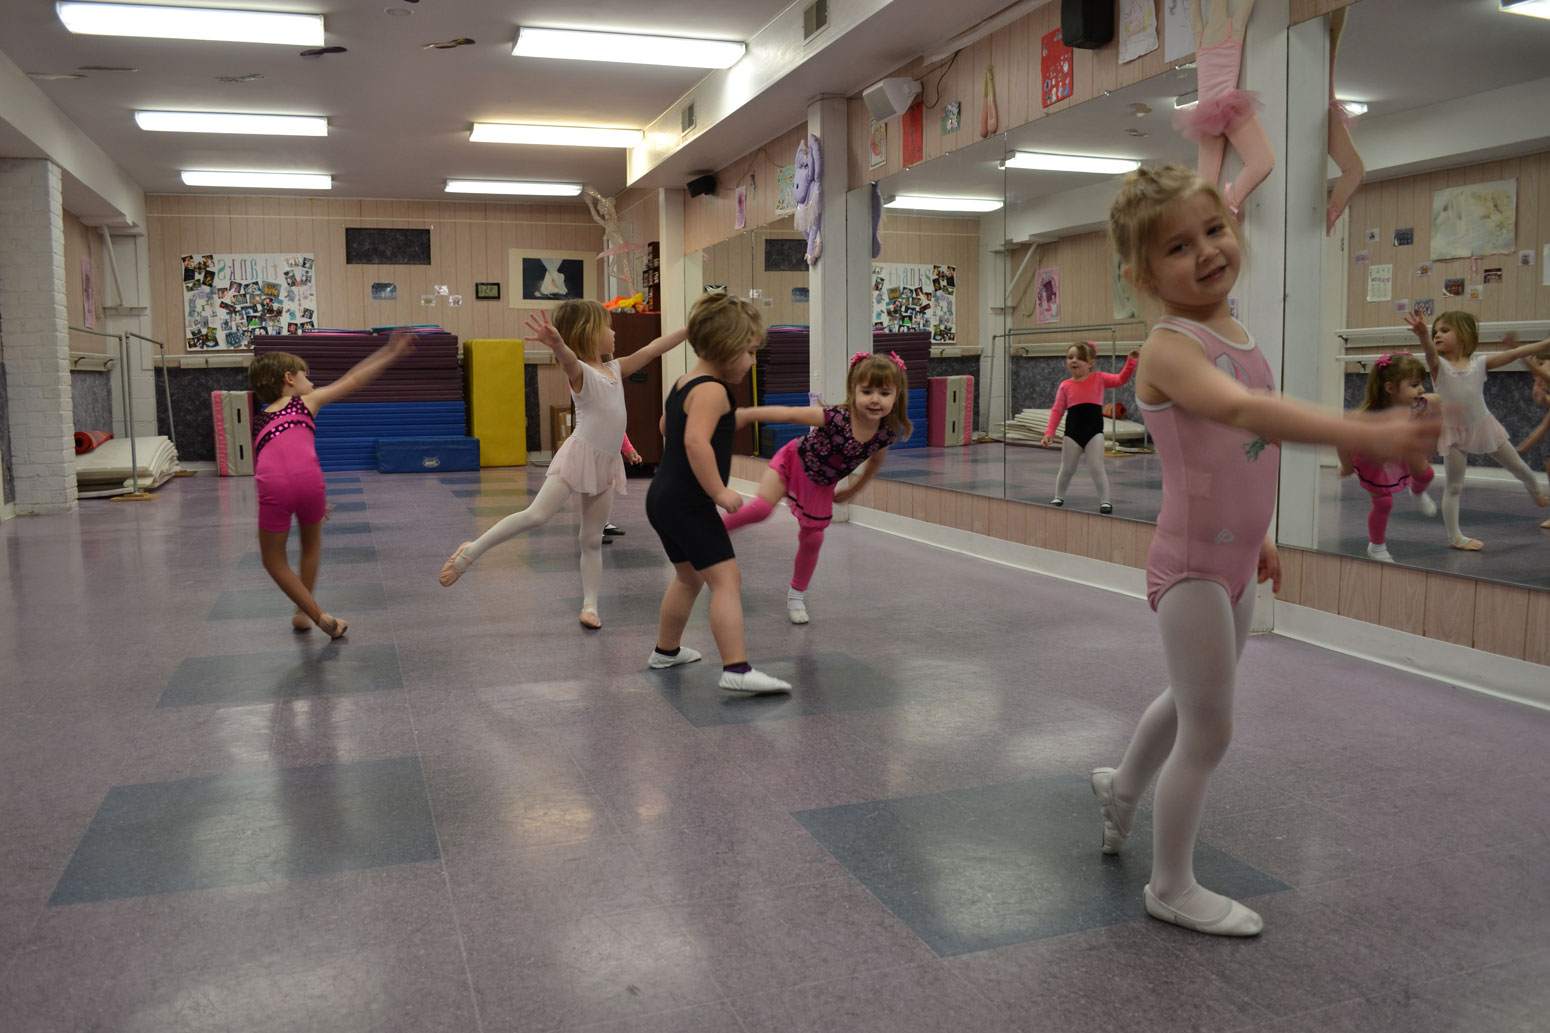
{"points": [[86, 440]]}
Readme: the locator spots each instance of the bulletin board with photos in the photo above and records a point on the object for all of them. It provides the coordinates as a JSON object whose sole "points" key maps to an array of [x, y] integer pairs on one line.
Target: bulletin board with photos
{"points": [[230, 298]]}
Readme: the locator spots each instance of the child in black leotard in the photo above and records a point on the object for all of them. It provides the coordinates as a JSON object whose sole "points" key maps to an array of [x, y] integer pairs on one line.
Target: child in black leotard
{"points": [[1080, 399], [699, 421]]}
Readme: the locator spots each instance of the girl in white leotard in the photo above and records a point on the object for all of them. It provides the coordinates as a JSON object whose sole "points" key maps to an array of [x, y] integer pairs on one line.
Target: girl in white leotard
{"points": [[1468, 426]]}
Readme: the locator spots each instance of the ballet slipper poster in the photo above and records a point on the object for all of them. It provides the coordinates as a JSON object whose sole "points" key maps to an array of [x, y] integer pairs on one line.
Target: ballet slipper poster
{"points": [[1054, 68], [1046, 300]]}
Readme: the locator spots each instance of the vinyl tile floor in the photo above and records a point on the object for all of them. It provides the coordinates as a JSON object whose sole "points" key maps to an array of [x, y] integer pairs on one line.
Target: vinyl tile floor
{"points": [[473, 815]]}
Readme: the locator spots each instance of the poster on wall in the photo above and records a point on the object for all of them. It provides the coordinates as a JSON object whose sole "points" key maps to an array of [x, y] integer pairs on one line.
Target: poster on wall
{"points": [[229, 298], [1125, 306], [908, 296], [1137, 28], [879, 146], [1054, 68], [913, 143], [1380, 282], [1178, 35], [542, 279], [1480, 219], [88, 296], [1046, 299], [786, 190]]}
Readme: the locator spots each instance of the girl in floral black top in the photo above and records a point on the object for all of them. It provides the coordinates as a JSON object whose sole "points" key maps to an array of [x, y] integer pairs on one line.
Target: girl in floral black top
{"points": [[844, 438]]}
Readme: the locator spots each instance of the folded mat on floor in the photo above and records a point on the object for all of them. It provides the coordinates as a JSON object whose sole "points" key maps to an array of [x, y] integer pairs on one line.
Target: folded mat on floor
{"points": [[86, 440], [106, 469], [1027, 428]]}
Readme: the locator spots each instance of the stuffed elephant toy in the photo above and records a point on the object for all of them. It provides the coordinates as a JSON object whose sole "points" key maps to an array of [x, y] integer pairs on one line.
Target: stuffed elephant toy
{"points": [[809, 195]]}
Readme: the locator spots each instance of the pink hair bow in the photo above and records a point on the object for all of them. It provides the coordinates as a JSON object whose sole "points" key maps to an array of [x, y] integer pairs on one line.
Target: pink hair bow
{"points": [[866, 355], [896, 360], [1388, 357], [858, 357]]}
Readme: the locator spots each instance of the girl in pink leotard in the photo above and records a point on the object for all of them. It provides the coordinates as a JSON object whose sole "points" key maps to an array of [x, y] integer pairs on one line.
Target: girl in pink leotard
{"points": [[286, 471], [1393, 382], [1210, 403]]}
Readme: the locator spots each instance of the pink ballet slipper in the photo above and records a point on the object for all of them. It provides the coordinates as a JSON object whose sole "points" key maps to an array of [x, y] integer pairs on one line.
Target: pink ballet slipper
{"points": [[1235, 210]]}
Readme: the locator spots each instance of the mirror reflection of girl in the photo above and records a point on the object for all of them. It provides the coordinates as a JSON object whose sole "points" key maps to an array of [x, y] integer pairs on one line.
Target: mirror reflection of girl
{"points": [[1541, 371], [1394, 381], [1080, 400], [805, 471], [1225, 114], [1212, 410], [1468, 426]]}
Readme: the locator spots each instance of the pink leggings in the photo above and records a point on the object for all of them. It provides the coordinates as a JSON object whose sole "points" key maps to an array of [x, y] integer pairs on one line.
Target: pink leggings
{"points": [[809, 538], [1383, 505]]}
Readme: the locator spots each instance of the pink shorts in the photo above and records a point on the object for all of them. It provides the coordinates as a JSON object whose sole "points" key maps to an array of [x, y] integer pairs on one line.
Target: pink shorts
{"points": [[283, 493], [812, 504]]}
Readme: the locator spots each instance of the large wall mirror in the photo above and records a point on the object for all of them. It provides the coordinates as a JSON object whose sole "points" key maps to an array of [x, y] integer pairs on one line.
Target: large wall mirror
{"points": [[1452, 216], [1033, 276]]}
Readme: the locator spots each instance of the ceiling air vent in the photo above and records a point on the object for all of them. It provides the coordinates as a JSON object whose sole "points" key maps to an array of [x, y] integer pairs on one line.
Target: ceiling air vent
{"points": [[815, 18], [686, 119]]}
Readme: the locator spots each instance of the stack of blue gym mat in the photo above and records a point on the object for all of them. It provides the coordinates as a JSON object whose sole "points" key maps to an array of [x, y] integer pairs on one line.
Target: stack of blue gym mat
{"points": [[914, 347], [781, 379], [412, 417]]}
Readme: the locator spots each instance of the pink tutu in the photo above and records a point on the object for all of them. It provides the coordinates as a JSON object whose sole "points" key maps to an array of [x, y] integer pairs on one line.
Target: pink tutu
{"points": [[1482, 437], [812, 504], [586, 469], [1218, 115]]}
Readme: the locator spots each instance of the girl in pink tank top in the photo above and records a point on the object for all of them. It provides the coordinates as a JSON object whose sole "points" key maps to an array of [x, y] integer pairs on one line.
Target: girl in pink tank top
{"points": [[1208, 398]]}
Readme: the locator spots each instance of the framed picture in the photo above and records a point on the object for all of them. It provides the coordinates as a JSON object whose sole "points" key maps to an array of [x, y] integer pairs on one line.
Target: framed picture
{"points": [[542, 279], [487, 291]]}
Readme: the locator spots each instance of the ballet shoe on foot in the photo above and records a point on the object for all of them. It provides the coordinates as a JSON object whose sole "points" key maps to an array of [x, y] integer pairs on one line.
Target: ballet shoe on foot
{"points": [[300, 621], [1541, 500], [1425, 504], [449, 572], [590, 619], [1235, 210], [1546, 525], [1380, 552], [1331, 216], [1117, 818], [1238, 921], [333, 626], [1467, 544]]}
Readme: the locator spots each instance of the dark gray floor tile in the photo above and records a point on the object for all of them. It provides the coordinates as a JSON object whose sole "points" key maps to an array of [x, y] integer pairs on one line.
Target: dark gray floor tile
{"points": [[331, 670], [332, 554], [346, 507], [494, 495], [332, 491], [243, 603], [822, 683], [972, 869], [261, 827]]}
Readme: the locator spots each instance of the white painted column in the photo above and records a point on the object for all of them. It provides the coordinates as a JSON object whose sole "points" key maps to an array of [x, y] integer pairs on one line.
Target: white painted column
{"points": [[37, 341], [828, 118], [682, 277]]}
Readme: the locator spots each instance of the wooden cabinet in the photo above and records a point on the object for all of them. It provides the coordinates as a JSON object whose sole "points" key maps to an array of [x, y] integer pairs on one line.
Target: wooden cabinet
{"points": [[643, 389]]}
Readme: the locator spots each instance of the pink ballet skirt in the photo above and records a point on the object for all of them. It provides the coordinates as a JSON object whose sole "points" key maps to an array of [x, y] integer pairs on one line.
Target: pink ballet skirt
{"points": [[1222, 106], [586, 469], [1481, 437]]}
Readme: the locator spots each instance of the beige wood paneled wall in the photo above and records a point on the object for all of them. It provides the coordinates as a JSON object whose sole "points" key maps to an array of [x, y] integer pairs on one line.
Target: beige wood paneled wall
{"points": [[712, 217], [1302, 10], [948, 241], [640, 213], [82, 241], [1502, 619], [1086, 290], [1407, 202], [470, 241], [1014, 52]]}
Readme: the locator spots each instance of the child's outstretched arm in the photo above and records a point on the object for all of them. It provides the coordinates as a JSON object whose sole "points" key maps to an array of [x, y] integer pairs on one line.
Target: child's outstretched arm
{"points": [[1514, 351], [1178, 370], [866, 473], [1541, 371], [808, 415], [1123, 376], [656, 349], [1347, 468], [703, 409], [1417, 326], [1536, 435], [543, 331], [362, 373]]}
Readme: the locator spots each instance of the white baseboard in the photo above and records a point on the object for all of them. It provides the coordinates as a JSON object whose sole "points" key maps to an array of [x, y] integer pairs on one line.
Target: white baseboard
{"points": [[1467, 668]]}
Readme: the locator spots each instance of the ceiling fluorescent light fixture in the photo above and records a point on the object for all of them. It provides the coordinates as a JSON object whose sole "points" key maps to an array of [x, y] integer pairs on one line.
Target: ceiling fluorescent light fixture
{"points": [[1070, 163], [944, 204], [501, 186], [1532, 8], [271, 180], [555, 136], [202, 23], [222, 122], [627, 48]]}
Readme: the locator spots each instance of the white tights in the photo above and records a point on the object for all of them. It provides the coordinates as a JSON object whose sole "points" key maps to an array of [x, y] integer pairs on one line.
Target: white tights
{"points": [[1184, 733], [553, 495], [1454, 465], [1070, 453]]}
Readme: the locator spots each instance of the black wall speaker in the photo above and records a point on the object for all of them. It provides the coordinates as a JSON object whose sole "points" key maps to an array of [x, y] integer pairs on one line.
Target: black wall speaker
{"points": [[701, 185], [1088, 24]]}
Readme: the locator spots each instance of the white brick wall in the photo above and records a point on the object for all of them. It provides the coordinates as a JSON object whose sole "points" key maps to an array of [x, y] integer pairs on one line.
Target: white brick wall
{"points": [[37, 342]]}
